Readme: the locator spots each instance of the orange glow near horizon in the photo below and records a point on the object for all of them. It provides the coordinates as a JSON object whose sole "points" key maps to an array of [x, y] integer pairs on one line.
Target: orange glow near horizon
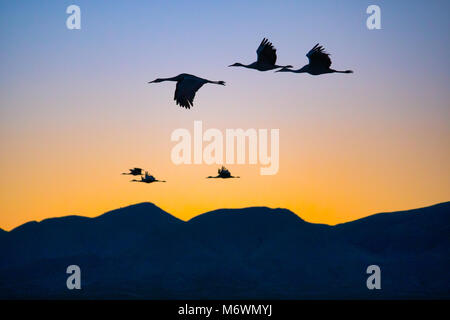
{"points": [[330, 178]]}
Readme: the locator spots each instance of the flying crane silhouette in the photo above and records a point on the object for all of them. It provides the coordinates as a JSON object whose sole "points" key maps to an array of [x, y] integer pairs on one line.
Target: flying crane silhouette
{"points": [[267, 57], [187, 86], [319, 63], [134, 172], [147, 179], [223, 173]]}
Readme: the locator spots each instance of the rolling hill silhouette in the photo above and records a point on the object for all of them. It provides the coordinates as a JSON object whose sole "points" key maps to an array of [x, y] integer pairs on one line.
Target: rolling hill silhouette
{"points": [[143, 252]]}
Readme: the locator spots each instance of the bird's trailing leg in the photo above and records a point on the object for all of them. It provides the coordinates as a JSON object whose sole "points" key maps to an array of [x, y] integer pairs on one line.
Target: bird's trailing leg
{"points": [[338, 71], [217, 82]]}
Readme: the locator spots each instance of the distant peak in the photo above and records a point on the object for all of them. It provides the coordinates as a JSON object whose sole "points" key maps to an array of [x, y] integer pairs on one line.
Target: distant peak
{"points": [[25, 226], [250, 212], [142, 205], [133, 207], [142, 209]]}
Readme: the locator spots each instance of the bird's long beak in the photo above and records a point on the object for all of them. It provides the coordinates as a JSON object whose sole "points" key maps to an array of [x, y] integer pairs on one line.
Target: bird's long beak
{"points": [[152, 81]]}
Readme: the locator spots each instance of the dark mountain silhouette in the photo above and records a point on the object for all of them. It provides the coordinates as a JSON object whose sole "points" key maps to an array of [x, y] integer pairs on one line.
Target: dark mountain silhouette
{"points": [[142, 252]]}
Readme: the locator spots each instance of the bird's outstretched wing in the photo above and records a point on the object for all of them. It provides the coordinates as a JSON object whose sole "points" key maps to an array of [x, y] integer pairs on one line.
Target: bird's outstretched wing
{"points": [[185, 91], [266, 52], [318, 57]]}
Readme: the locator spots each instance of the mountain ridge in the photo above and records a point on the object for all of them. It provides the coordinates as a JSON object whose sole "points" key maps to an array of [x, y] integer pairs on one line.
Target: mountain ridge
{"points": [[150, 205]]}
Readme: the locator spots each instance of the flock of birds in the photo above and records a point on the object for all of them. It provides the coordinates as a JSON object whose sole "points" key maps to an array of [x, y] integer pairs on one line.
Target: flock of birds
{"points": [[223, 173], [147, 178], [188, 85]]}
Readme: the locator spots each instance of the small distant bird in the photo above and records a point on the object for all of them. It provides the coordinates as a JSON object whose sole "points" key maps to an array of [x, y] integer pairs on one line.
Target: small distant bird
{"points": [[267, 56], [134, 172], [187, 86], [147, 179], [223, 173], [319, 63]]}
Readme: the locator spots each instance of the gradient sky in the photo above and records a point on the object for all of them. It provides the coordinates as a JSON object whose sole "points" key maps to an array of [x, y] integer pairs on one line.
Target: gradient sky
{"points": [[76, 109]]}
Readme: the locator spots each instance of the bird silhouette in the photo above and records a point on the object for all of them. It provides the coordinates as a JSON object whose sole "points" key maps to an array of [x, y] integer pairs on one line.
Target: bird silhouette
{"points": [[187, 86], [134, 172], [267, 56], [223, 173], [147, 179], [319, 63]]}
